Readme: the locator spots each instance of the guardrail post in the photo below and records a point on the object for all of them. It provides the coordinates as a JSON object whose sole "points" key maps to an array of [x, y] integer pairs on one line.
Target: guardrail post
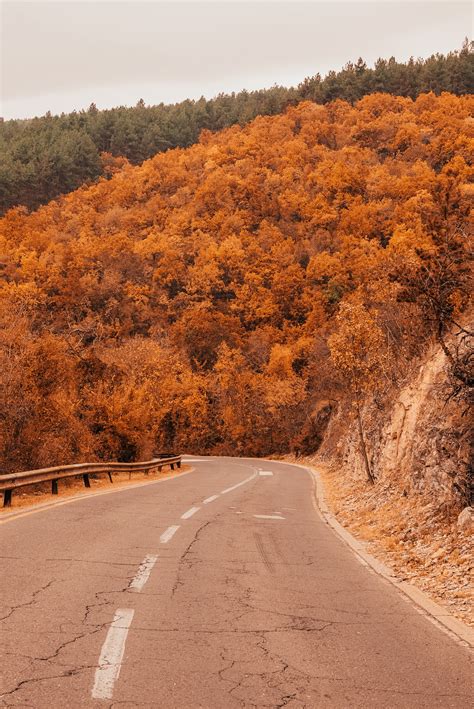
{"points": [[86, 470]]}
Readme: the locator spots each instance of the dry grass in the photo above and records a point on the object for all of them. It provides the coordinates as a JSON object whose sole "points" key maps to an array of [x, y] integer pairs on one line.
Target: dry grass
{"points": [[32, 495]]}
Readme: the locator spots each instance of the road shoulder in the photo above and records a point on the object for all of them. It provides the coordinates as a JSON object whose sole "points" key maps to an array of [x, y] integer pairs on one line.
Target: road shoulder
{"points": [[434, 612]]}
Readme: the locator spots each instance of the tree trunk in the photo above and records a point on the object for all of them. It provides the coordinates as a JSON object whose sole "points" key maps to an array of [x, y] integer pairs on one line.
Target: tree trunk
{"points": [[370, 476]]}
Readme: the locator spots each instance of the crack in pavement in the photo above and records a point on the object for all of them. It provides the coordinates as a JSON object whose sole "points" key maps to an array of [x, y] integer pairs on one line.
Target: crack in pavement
{"points": [[182, 559], [31, 602], [227, 631], [304, 618], [254, 670], [266, 677], [225, 669], [92, 630], [23, 682], [92, 561], [289, 696], [92, 606], [129, 704], [299, 621], [352, 685]]}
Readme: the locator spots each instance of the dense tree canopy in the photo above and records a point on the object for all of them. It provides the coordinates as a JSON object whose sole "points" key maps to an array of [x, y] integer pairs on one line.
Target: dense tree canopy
{"points": [[45, 157], [200, 301]]}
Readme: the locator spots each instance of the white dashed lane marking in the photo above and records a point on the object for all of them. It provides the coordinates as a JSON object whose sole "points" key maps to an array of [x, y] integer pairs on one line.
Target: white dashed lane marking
{"points": [[234, 487], [143, 573], [210, 499], [190, 512], [110, 660], [166, 536], [111, 656]]}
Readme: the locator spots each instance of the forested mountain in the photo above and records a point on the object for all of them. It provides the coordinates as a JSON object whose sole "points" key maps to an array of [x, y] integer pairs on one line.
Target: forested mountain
{"points": [[227, 297], [44, 157]]}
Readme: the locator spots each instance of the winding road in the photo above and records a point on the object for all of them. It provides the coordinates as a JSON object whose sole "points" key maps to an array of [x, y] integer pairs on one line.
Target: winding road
{"points": [[217, 588]]}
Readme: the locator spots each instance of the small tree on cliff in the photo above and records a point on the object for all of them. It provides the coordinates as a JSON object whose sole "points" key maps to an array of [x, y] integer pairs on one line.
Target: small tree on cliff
{"points": [[358, 351]]}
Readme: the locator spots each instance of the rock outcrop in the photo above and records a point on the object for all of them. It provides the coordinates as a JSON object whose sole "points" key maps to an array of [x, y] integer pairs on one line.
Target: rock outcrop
{"points": [[419, 440]]}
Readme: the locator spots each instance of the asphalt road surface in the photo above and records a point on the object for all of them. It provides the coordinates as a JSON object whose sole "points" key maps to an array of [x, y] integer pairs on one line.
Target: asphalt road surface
{"points": [[218, 588]]}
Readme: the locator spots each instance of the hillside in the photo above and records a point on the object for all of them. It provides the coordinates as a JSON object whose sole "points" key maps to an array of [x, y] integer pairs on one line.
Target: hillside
{"points": [[422, 450], [44, 157], [241, 294]]}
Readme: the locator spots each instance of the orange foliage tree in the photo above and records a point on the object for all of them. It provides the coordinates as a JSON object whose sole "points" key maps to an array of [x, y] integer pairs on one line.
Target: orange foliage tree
{"points": [[188, 303]]}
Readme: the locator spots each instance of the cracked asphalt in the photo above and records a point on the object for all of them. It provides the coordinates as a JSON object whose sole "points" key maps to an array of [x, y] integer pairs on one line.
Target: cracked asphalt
{"points": [[237, 611]]}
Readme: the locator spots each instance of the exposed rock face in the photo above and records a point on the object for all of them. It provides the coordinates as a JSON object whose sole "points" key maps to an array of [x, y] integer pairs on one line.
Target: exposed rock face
{"points": [[419, 516], [421, 442], [427, 441], [466, 520]]}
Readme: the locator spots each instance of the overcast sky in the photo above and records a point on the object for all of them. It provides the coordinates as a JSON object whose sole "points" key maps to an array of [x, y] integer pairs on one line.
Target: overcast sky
{"points": [[63, 55]]}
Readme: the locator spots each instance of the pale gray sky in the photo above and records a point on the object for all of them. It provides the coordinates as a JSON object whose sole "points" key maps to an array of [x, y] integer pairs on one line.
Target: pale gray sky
{"points": [[62, 55]]}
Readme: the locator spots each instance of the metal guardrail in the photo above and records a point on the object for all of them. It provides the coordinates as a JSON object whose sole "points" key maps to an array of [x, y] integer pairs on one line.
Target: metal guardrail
{"points": [[10, 482]]}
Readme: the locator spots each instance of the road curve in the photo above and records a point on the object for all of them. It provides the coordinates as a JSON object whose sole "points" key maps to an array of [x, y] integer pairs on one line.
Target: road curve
{"points": [[219, 588]]}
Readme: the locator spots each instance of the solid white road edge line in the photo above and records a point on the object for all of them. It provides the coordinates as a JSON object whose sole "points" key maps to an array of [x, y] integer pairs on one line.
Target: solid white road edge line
{"points": [[166, 536], [190, 512], [144, 571], [234, 487], [111, 655], [269, 517], [210, 499]]}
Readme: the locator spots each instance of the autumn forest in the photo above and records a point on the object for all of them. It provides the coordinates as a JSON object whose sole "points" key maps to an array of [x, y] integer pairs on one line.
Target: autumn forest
{"points": [[230, 296], [43, 157]]}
